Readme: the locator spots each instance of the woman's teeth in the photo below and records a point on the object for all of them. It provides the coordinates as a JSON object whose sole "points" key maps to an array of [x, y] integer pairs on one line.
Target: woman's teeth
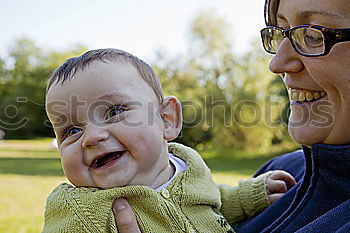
{"points": [[299, 95]]}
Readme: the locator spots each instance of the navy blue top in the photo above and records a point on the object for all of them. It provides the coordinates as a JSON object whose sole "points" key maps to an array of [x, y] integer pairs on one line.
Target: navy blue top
{"points": [[320, 202]]}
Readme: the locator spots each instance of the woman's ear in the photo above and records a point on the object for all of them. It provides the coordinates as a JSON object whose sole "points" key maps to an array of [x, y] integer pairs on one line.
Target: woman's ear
{"points": [[171, 114]]}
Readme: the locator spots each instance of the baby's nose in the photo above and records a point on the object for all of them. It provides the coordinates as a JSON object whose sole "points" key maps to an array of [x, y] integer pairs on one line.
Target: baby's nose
{"points": [[94, 135]]}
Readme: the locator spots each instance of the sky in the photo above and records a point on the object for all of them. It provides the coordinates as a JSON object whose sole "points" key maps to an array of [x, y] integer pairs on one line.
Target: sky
{"points": [[137, 26]]}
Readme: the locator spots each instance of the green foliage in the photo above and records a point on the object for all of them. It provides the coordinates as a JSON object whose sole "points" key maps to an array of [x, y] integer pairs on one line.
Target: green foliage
{"points": [[22, 89], [228, 100]]}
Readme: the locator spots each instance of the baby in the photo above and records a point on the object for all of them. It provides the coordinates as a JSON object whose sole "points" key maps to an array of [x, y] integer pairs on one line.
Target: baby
{"points": [[113, 125]]}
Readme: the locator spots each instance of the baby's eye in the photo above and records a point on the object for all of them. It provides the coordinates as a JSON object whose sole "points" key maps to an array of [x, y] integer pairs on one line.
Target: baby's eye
{"points": [[115, 110], [71, 131]]}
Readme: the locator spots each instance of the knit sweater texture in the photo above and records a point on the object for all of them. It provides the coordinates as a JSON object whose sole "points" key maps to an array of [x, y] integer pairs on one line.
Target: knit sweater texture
{"points": [[193, 202]]}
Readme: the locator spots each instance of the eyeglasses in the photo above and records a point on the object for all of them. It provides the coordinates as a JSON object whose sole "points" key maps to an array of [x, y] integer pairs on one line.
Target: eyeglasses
{"points": [[307, 40]]}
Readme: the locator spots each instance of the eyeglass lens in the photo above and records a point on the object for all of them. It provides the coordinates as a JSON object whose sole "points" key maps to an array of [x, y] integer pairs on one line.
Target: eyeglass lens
{"points": [[271, 39], [305, 40]]}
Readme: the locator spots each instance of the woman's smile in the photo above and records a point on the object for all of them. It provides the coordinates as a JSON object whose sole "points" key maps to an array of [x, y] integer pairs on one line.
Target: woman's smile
{"points": [[305, 96]]}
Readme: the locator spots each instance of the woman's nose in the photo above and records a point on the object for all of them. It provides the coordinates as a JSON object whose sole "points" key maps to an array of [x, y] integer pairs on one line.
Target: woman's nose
{"points": [[94, 135], [286, 59]]}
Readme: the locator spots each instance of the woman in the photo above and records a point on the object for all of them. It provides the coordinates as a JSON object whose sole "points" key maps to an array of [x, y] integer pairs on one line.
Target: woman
{"points": [[314, 63]]}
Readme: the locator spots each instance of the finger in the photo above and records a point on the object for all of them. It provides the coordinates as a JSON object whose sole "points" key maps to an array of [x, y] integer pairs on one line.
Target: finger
{"points": [[124, 217], [275, 197], [283, 175], [276, 186]]}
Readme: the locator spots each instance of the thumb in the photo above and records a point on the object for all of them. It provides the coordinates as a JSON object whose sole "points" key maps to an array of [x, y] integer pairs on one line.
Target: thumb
{"points": [[124, 217]]}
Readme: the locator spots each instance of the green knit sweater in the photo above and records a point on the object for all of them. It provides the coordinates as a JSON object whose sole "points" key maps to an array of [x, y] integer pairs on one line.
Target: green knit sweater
{"points": [[191, 203]]}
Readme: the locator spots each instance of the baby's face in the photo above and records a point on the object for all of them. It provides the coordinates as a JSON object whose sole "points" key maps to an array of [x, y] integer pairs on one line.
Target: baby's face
{"points": [[108, 127]]}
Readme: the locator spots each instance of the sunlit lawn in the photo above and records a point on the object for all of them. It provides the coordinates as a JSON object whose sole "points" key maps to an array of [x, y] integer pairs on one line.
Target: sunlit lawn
{"points": [[30, 169]]}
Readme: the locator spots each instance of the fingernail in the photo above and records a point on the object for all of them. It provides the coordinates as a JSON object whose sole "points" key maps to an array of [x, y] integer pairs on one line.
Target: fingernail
{"points": [[119, 204]]}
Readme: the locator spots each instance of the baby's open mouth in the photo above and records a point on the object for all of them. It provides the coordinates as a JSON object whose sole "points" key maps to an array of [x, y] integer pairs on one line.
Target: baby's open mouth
{"points": [[306, 95], [106, 159]]}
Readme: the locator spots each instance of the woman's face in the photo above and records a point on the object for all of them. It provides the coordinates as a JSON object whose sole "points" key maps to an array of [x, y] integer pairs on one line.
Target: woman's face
{"points": [[324, 80]]}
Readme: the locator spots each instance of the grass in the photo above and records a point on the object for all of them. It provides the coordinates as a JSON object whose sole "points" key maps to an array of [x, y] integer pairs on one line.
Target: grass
{"points": [[30, 169], [22, 200]]}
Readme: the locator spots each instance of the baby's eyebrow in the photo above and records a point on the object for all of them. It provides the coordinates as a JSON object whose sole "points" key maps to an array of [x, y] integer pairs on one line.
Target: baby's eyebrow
{"points": [[59, 121], [62, 120], [109, 95]]}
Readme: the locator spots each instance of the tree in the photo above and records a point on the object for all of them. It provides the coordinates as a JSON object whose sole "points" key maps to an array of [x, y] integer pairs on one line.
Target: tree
{"points": [[23, 86], [228, 100]]}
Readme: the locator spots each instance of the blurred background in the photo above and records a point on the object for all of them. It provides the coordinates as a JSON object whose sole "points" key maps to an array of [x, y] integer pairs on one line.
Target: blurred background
{"points": [[205, 52]]}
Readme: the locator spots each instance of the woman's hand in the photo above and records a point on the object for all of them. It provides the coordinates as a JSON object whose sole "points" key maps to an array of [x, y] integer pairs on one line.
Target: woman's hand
{"points": [[124, 217]]}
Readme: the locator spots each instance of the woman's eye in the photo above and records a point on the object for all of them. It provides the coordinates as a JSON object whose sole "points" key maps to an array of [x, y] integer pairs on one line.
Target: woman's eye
{"points": [[71, 131], [313, 38], [116, 110]]}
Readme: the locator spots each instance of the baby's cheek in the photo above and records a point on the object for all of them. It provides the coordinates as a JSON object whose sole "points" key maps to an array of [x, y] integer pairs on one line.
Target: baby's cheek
{"points": [[149, 141], [79, 176], [73, 166], [69, 158]]}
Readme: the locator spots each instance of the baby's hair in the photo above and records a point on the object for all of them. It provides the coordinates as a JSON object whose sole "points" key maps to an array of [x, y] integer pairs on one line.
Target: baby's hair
{"points": [[68, 69]]}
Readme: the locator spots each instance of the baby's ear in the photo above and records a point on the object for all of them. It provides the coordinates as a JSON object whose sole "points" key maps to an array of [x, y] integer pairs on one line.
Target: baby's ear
{"points": [[171, 114]]}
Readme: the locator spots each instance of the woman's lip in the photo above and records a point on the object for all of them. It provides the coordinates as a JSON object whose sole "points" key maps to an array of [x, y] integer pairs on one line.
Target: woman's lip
{"points": [[291, 88], [297, 103]]}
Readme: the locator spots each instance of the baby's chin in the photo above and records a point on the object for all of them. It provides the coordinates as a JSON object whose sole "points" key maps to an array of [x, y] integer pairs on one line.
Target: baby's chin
{"points": [[95, 186], [110, 185], [81, 184]]}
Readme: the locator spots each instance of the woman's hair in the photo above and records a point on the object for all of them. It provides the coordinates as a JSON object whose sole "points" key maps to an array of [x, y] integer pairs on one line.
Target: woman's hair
{"points": [[68, 69], [270, 11]]}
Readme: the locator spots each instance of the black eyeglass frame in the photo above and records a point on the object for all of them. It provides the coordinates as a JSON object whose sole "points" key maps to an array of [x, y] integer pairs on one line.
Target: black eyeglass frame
{"points": [[331, 37]]}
